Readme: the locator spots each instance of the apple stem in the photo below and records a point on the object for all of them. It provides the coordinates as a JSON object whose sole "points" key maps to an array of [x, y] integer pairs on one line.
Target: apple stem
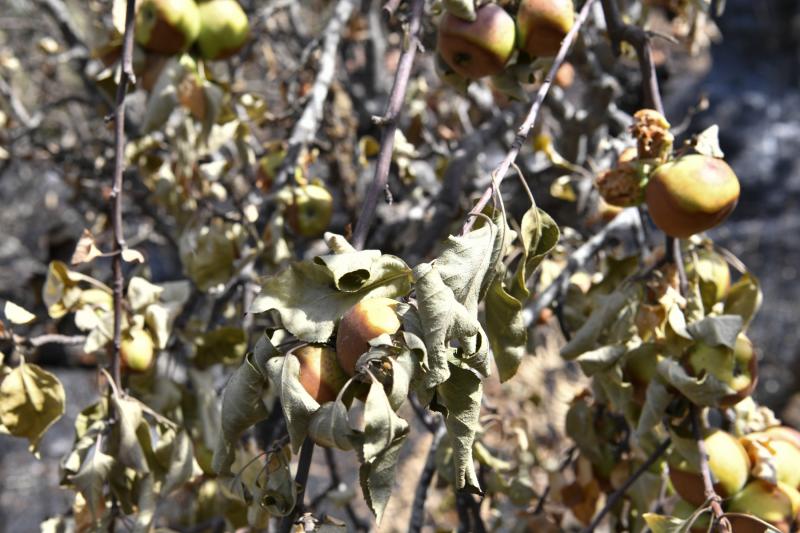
{"points": [[722, 523], [614, 498], [397, 97], [499, 173]]}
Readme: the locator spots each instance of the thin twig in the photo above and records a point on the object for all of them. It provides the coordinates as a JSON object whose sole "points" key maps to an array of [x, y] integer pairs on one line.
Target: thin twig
{"points": [[620, 492], [389, 120], [305, 129], [500, 171], [708, 485], [425, 478], [637, 37], [301, 480], [126, 77]]}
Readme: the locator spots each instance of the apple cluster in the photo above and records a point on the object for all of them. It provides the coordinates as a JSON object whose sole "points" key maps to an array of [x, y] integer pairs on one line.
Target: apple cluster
{"points": [[217, 28], [685, 194], [757, 475], [323, 370], [481, 43]]}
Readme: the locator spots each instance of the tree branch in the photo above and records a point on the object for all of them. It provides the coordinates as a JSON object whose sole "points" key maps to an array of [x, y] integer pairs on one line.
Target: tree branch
{"points": [[305, 129], [126, 77], [708, 485], [301, 480], [500, 171], [389, 120], [425, 478], [620, 492]]}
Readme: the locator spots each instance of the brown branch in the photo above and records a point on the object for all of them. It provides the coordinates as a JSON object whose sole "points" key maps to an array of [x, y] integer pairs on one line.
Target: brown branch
{"points": [[126, 77], [389, 120], [522, 133], [425, 478], [391, 6], [620, 492], [301, 480], [637, 37], [722, 523], [305, 129]]}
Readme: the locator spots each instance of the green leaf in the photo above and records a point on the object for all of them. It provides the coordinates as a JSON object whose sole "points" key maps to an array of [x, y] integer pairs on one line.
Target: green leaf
{"points": [[92, 478], [310, 296], [31, 400], [61, 292], [461, 396], [182, 465], [379, 449], [226, 345], [601, 359], [505, 328], [717, 330]]}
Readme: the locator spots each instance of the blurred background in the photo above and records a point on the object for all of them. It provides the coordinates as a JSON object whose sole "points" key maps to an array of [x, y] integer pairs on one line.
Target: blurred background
{"points": [[750, 80]]}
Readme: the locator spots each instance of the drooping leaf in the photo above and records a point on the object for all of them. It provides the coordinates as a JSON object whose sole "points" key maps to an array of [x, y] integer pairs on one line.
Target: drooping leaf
{"points": [[31, 400], [297, 403], [182, 465], [601, 359], [744, 298], [604, 316], [329, 426], [279, 495], [505, 328], [539, 234], [92, 478], [142, 293], [129, 418], [461, 395], [656, 401], [379, 448]]}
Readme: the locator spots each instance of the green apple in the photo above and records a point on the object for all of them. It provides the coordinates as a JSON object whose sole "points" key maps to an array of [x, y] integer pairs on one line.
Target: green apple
{"points": [[310, 209], [224, 29], [479, 48], [364, 321], [542, 25], [167, 26], [727, 460], [775, 504], [738, 367], [137, 350]]}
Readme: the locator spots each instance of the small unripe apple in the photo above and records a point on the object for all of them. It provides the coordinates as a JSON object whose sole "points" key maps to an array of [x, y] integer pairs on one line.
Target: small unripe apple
{"points": [[738, 368], [224, 28], [691, 194], [640, 368], [775, 504], [320, 373], [727, 460], [137, 351], [361, 323], [309, 210], [478, 48], [542, 25], [167, 26]]}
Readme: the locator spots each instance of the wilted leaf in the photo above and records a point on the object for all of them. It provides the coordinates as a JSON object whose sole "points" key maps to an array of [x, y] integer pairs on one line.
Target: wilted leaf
{"points": [[604, 316], [31, 400], [129, 255], [717, 330], [85, 250], [142, 293], [129, 419], [601, 359], [280, 493], [17, 314], [297, 403], [505, 328], [182, 465], [656, 401], [461, 396], [463, 9], [310, 296], [379, 448], [92, 478], [744, 298], [707, 142], [329, 426], [707, 390], [60, 292]]}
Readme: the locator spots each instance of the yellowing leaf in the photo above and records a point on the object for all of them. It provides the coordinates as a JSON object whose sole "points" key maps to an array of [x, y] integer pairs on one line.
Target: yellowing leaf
{"points": [[31, 400], [85, 250], [129, 255], [17, 314]]}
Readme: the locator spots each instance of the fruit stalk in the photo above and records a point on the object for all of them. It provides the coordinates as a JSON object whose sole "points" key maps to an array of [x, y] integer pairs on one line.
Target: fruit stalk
{"points": [[522, 133], [126, 77], [389, 120], [722, 523]]}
